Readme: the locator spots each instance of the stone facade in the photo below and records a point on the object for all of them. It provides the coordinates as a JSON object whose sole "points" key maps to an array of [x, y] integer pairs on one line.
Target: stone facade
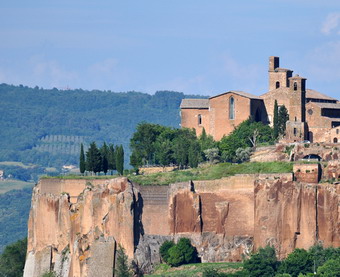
{"points": [[312, 114]]}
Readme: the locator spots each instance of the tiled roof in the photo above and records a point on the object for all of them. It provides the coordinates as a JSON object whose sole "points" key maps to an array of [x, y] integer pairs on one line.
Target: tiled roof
{"points": [[241, 93], [328, 105], [195, 104], [310, 93]]}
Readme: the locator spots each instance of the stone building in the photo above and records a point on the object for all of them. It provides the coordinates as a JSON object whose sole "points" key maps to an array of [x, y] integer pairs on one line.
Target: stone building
{"points": [[312, 115]]}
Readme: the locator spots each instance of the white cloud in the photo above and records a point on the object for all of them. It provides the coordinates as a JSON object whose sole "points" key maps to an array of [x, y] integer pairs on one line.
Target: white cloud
{"points": [[331, 23], [51, 73]]}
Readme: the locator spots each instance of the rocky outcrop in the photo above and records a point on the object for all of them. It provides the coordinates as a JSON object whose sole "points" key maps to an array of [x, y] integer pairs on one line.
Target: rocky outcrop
{"points": [[76, 239], [77, 233]]}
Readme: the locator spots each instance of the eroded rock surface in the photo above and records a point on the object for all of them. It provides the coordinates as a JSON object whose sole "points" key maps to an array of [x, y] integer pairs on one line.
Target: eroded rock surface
{"points": [[77, 233]]}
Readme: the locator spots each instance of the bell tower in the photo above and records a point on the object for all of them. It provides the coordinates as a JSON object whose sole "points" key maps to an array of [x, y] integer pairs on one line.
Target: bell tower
{"points": [[278, 77]]}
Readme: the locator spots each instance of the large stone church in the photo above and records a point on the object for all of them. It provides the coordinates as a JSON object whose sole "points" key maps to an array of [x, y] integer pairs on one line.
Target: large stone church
{"points": [[313, 116]]}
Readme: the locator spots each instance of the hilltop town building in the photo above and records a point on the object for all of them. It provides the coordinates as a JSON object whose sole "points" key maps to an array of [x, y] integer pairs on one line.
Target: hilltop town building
{"points": [[312, 115]]}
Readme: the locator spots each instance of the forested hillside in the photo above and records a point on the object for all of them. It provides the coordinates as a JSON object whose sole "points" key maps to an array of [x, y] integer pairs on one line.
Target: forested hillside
{"points": [[46, 127]]}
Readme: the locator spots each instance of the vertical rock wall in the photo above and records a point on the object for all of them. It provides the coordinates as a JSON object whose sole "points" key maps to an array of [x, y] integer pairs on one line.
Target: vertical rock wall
{"points": [[225, 220]]}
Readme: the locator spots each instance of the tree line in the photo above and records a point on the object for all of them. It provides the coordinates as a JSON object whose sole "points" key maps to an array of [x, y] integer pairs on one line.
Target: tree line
{"points": [[153, 144], [103, 159]]}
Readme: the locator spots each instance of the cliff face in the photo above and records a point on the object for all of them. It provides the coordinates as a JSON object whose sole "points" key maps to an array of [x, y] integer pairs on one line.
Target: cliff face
{"points": [[76, 234], [80, 239]]}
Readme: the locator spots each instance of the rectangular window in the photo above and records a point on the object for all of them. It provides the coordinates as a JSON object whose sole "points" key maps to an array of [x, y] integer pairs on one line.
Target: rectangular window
{"points": [[295, 131]]}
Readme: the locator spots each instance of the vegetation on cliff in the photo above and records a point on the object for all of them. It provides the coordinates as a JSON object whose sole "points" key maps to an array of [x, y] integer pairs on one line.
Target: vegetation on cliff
{"points": [[325, 262], [153, 144], [177, 254], [212, 172]]}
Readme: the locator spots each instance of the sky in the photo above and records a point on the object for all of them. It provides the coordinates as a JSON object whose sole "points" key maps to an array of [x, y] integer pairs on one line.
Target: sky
{"points": [[192, 46]]}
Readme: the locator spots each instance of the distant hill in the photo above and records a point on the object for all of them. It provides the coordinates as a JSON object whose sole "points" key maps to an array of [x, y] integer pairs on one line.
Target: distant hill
{"points": [[46, 126]]}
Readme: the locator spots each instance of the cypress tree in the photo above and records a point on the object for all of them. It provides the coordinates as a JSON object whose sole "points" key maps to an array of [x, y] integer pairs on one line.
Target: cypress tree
{"points": [[120, 159], [276, 121], [111, 158], [282, 119], [194, 154], [104, 151], [93, 159], [82, 164]]}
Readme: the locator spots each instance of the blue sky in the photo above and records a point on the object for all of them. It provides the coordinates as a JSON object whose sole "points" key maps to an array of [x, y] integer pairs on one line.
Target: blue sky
{"points": [[192, 46]]}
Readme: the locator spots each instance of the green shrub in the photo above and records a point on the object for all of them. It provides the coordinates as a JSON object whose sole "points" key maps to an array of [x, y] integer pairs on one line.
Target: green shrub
{"points": [[331, 268], [177, 254], [176, 257], [299, 261], [163, 250], [262, 264]]}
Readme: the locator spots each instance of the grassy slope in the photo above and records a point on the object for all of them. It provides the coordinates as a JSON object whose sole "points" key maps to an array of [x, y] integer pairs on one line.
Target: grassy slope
{"points": [[206, 172], [11, 184], [212, 172], [193, 269]]}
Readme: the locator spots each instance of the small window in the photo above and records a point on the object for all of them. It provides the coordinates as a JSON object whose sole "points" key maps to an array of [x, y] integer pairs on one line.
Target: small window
{"points": [[295, 131], [337, 131], [335, 140], [295, 85], [295, 119], [231, 108], [277, 84], [199, 119]]}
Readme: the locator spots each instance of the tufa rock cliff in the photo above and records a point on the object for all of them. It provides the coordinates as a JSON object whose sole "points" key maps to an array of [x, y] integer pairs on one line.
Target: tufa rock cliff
{"points": [[75, 226]]}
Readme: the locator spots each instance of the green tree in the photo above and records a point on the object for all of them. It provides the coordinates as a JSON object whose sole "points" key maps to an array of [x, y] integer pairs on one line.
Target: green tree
{"points": [[164, 250], [299, 261], [164, 151], [320, 255], [243, 137], [276, 120], [212, 155], [181, 144], [111, 158], [283, 117], [12, 260], [135, 160], [104, 151], [206, 142], [176, 254], [189, 252], [176, 257], [331, 268], [122, 266], [93, 159], [82, 164], [194, 154], [144, 139], [120, 159], [262, 264]]}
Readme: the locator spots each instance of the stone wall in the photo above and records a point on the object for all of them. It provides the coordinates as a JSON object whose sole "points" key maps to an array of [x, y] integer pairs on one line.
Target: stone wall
{"points": [[307, 173], [220, 124], [189, 119]]}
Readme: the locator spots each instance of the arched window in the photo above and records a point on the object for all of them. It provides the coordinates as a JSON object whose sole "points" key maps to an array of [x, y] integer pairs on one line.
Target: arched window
{"points": [[231, 108], [335, 140], [295, 86], [277, 84], [199, 119]]}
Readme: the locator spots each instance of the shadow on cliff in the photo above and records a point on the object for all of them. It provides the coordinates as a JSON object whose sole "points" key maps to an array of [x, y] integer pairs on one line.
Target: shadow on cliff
{"points": [[138, 228]]}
